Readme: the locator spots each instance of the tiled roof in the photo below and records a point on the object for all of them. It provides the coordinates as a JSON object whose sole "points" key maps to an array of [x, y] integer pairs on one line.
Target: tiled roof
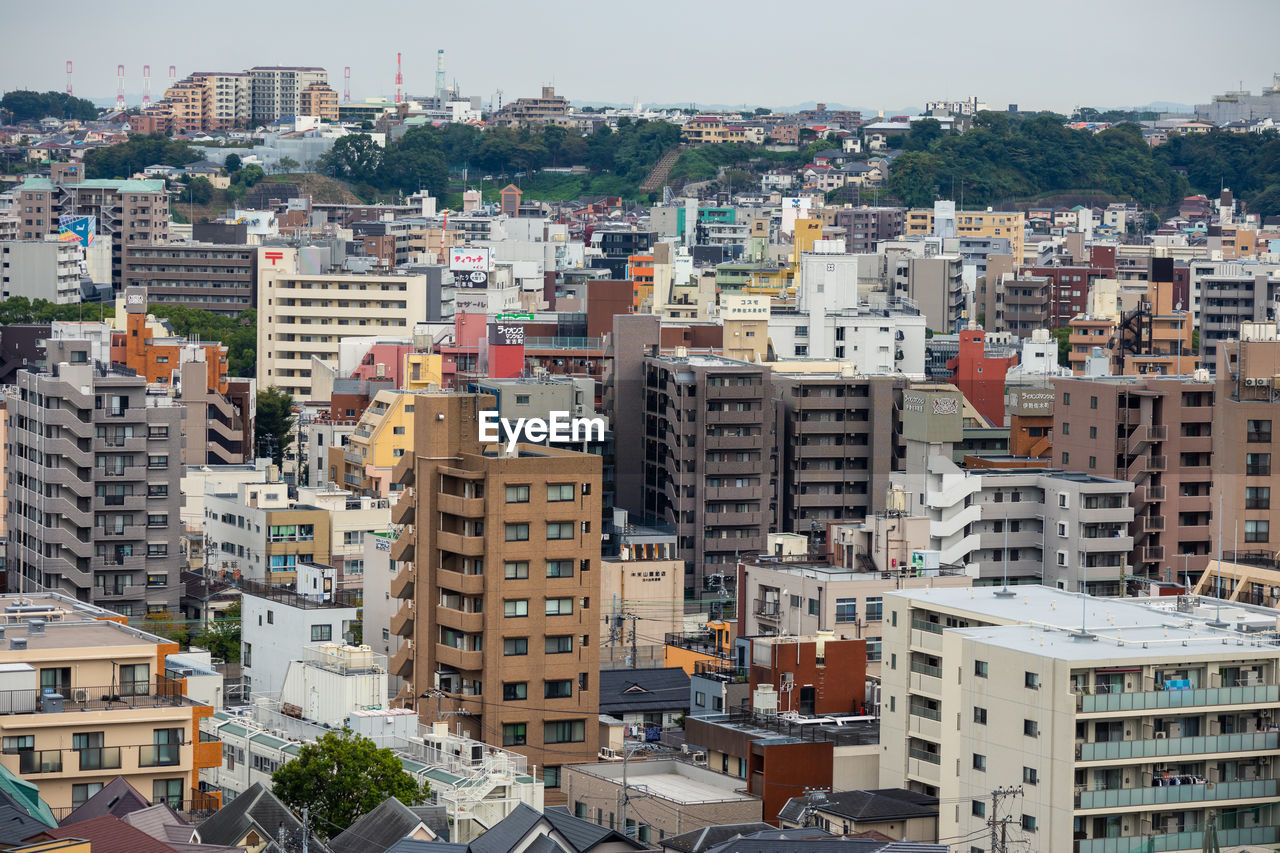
{"points": [[109, 834]]}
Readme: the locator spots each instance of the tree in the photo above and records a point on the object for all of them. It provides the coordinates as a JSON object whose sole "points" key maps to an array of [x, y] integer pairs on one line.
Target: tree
{"points": [[342, 776], [1060, 335], [923, 134], [232, 163], [273, 427], [198, 190], [25, 106], [128, 158], [163, 624], [288, 164], [248, 176], [355, 157], [221, 636]]}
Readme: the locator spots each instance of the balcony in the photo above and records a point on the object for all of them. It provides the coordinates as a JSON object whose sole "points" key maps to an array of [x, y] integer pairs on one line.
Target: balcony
{"points": [[1178, 840], [1153, 554], [456, 543], [923, 755], [926, 640], [402, 620], [1257, 694], [464, 621], [460, 659], [456, 505], [1123, 750], [160, 755], [402, 511], [767, 607], [401, 663], [98, 758], [402, 550], [1151, 523], [458, 582], [1127, 798], [403, 581]]}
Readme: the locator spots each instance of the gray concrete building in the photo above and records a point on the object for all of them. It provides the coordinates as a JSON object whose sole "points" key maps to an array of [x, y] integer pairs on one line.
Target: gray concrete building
{"points": [[212, 277], [40, 269], [94, 465], [1225, 294], [936, 285]]}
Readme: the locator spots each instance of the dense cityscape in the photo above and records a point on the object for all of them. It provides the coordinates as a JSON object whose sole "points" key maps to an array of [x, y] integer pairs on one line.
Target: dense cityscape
{"points": [[427, 471]]}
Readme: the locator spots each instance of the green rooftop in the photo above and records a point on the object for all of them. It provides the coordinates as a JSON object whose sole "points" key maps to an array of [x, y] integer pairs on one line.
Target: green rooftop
{"points": [[269, 740], [125, 186]]}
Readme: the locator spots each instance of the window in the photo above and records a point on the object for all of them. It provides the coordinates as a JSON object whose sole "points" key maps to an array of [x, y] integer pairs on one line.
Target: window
{"points": [[1031, 728], [158, 519], [559, 645], [1258, 431], [980, 715], [515, 691], [1066, 428], [515, 571], [157, 550], [699, 699], [559, 568], [513, 734], [1028, 823], [559, 529], [517, 494], [978, 809], [19, 743], [514, 607], [157, 491], [557, 492], [157, 461], [813, 607], [248, 654], [559, 689], [1257, 531], [135, 679], [1030, 776], [1257, 464], [512, 646], [82, 792], [397, 430], [517, 533], [1066, 457], [1093, 402], [980, 668], [873, 648], [1257, 497], [565, 731], [1066, 399], [1031, 680], [321, 633], [551, 777], [559, 606], [979, 762], [875, 609]]}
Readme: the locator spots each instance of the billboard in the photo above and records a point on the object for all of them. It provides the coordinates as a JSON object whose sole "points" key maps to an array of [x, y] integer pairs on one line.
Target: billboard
{"points": [[506, 334], [78, 229], [468, 259]]}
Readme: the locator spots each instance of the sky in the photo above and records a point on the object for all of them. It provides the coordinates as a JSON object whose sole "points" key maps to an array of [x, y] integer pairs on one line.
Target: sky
{"points": [[1057, 56]]}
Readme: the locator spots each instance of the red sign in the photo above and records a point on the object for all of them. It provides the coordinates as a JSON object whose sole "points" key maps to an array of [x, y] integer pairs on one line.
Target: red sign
{"points": [[273, 257]]}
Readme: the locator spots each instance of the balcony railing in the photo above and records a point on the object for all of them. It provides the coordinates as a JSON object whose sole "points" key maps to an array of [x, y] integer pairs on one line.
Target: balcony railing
{"points": [[1178, 746], [926, 669], [128, 695], [1202, 697], [160, 755], [1178, 840], [1132, 797], [926, 625], [40, 761], [765, 607], [924, 755], [100, 758]]}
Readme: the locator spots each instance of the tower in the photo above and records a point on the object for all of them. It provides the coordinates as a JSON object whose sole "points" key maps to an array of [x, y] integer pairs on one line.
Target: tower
{"points": [[146, 86], [399, 80], [173, 76], [69, 90], [346, 85], [440, 74], [120, 87]]}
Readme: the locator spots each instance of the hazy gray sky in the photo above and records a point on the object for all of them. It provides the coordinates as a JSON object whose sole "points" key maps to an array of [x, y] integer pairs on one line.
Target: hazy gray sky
{"points": [[888, 55]]}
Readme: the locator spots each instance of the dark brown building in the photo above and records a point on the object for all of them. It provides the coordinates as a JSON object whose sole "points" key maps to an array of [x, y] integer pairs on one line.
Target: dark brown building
{"points": [[213, 277], [866, 227], [1156, 433], [499, 581]]}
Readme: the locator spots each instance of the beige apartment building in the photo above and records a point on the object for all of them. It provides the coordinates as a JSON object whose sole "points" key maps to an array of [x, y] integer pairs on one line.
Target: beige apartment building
{"points": [[305, 317], [499, 587], [84, 699], [1009, 224], [276, 90], [1122, 726]]}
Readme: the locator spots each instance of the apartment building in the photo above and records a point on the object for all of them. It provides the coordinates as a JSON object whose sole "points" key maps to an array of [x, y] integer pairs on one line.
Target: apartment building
{"points": [[936, 285], [262, 534], [40, 269], [1226, 294], [128, 211], [549, 108], [708, 450], [276, 90], [94, 467], [212, 277], [1010, 224], [209, 101], [839, 440], [380, 439], [318, 100], [1245, 405], [1018, 303], [84, 699], [1158, 434], [1124, 723], [499, 545], [304, 317]]}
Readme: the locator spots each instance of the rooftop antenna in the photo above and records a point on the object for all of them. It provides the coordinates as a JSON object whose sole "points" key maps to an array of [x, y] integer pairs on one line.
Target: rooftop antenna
{"points": [[346, 85], [70, 92], [120, 87], [1217, 620], [146, 86], [399, 80]]}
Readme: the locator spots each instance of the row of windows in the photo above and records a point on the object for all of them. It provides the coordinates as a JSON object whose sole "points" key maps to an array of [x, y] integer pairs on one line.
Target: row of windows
{"points": [[556, 492], [554, 645], [560, 688], [519, 607], [556, 530], [561, 731], [519, 569]]}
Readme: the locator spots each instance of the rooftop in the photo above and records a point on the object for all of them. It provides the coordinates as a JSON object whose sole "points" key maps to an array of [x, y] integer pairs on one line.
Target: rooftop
{"points": [[93, 633], [672, 780], [842, 730]]}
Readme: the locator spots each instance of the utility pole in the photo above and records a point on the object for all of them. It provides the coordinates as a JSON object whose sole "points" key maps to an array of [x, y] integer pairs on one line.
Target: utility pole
{"points": [[306, 827], [1000, 826], [635, 654]]}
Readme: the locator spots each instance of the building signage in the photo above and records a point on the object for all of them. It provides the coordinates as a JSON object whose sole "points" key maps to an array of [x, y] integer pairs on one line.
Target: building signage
{"points": [[506, 335], [1032, 402], [469, 259]]}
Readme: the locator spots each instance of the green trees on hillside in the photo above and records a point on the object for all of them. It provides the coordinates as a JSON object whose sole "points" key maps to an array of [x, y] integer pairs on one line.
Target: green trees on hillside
{"points": [[1246, 163], [25, 105], [129, 158]]}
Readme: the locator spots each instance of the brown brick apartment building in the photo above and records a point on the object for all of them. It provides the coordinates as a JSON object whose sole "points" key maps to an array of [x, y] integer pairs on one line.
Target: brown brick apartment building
{"points": [[218, 278], [1156, 433], [499, 581]]}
